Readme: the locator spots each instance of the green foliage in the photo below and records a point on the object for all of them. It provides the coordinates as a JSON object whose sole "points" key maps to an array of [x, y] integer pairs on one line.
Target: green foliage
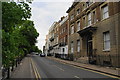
{"points": [[13, 14], [35, 49], [18, 34]]}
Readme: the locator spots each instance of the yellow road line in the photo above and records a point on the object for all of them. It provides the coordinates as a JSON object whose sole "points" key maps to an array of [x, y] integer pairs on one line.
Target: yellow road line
{"points": [[97, 72], [34, 70], [37, 75]]}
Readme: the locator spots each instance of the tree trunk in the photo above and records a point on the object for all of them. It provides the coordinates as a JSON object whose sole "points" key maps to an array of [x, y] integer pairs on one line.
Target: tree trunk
{"points": [[16, 63], [8, 73], [12, 66]]}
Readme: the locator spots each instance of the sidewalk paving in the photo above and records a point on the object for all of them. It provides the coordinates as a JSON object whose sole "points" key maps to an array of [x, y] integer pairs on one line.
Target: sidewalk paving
{"points": [[106, 70], [24, 70]]}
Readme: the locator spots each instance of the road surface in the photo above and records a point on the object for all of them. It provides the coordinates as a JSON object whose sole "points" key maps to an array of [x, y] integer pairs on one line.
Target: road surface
{"points": [[46, 68]]}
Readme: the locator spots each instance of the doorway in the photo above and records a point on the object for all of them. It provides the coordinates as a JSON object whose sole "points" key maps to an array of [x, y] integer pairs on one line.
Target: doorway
{"points": [[91, 56]]}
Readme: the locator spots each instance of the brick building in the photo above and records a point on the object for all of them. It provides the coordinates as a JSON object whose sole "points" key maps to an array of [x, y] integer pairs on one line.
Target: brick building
{"points": [[94, 33], [56, 39], [63, 37]]}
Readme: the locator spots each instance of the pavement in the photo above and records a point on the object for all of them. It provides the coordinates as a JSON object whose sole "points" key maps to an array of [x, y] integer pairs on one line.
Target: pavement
{"points": [[24, 70], [107, 70]]}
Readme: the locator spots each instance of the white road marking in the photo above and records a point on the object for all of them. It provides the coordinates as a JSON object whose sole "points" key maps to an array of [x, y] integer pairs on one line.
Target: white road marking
{"points": [[76, 76], [59, 68]]}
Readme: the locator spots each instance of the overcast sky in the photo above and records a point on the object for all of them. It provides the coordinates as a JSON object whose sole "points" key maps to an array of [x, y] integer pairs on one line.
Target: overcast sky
{"points": [[44, 14]]}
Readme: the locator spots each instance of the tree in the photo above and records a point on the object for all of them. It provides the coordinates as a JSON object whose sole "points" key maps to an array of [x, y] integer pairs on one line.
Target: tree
{"points": [[14, 14], [36, 49], [18, 33], [28, 31]]}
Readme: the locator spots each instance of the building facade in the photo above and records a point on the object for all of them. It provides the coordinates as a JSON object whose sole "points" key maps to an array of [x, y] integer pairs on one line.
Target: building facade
{"points": [[46, 45], [94, 29], [51, 39], [63, 37], [56, 39]]}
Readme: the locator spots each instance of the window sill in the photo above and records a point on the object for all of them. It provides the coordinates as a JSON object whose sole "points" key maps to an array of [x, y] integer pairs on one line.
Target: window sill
{"points": [[106, 50], [71, 33], [94, 22], [104, 19], [87, 26]]}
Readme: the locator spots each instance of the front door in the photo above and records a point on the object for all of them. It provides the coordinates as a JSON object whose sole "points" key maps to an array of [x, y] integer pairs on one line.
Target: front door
{"points": [[90, 50]]}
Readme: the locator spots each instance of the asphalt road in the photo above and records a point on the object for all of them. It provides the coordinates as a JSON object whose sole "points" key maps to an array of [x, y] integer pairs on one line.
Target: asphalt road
{"points": [[52, 69]]}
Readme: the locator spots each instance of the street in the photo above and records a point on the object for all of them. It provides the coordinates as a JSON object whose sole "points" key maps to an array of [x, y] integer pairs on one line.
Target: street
{"points": [[52, 40], [47, 68]]}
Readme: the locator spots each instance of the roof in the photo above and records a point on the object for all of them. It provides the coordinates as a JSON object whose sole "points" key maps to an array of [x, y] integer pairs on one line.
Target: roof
{"points": [[73, 5]]}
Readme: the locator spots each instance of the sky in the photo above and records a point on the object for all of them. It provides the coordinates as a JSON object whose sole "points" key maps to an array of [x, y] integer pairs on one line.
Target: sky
{"points": [[44, 13]]}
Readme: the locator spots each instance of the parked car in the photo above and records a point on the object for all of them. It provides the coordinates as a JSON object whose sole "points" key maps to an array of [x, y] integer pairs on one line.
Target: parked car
{"points": [[49, 54], [42, 55], [37, 53]]}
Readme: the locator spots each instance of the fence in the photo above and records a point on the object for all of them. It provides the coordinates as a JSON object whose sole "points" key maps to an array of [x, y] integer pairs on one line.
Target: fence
{"points": [[6, 72], [108, 60]]}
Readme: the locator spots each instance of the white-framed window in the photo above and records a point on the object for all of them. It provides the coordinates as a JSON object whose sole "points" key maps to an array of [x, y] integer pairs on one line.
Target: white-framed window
{"points": [[94, 16], [64, 39], [53, 35], [78, 46], [78, 25], [72, 29], [72, 47], [106, 40], [105, 13], [78, 11], [72, 17], [89, 19]]}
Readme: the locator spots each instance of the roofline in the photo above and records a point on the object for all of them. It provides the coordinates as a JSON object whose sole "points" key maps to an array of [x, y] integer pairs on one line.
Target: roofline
{"points": [[73, 5]]}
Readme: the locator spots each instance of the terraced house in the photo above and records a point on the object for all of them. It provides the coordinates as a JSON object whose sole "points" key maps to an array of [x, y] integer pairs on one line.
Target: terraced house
{"points": [[63, 37], [94, 33], [46, 51], [52, 39], [56, 39]]}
